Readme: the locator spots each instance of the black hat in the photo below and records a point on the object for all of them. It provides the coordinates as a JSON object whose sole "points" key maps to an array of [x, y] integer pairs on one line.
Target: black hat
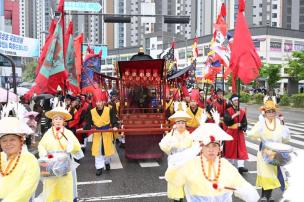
{"points": [[234, 96], [219, 90]]}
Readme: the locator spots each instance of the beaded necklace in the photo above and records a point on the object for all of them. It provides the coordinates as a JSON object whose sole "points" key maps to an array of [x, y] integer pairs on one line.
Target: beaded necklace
{"points": [[58, 138], [8, 171], [215, 180], [274, 125]]}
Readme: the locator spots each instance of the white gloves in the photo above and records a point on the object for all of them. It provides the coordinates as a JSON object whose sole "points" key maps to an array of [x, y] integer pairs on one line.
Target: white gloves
{"points": [[203, 117], [247, 193], [216, 116]]}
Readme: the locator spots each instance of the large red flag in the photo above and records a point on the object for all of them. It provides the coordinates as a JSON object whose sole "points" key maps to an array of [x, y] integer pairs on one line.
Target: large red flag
{"points": [[70, 63], [245, 62], [46, 45], [78, 55]]}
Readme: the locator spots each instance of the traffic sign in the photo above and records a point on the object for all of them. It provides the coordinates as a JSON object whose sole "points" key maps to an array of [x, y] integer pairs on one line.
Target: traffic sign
{"points": [[82, 6]]}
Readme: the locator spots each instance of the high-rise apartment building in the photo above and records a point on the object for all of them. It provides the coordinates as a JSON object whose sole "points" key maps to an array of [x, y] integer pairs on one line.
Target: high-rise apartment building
{"points": [[293, 14]]}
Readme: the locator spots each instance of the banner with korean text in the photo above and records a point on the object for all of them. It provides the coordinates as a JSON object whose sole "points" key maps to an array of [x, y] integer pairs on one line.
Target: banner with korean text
{"points": [[14, 45]]}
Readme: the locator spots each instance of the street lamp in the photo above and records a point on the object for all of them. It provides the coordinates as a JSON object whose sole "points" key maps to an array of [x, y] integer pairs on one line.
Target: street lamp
{"points": [[13, 71]]}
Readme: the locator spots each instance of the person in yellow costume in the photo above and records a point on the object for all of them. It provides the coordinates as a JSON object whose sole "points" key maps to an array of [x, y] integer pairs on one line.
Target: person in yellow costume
{"points": [[204, 174], [19, 169], [102, 117], [176, 141], [59, 139], [195, 112], [268, 128]]}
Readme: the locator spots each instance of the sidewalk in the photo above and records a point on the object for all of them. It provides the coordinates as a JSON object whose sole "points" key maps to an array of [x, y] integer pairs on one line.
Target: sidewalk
{"points": [[280, 107]]}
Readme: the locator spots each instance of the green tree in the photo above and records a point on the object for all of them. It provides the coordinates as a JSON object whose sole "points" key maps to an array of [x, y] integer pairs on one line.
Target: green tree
{"points": [[272, 73], [29, 71], [296, 65]]}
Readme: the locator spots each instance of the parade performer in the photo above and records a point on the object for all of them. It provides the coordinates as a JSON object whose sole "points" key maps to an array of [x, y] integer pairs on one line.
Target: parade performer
{"points": [[19, 169], [102, 117], [236, 122], [220, 104], [207, 176], [175, 141], [195, 112], [59, 139], [266, 130]]}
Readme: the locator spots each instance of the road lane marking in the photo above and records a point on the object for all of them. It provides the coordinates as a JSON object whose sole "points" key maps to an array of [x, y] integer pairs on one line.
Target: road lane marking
{"points": [[94, 182], [252, 157], [252, 172], [127, 196], [116, 163], [148, 164], [296, 125]]}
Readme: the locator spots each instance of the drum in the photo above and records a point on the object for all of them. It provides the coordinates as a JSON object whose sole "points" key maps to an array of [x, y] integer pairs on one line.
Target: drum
{"points": [[56, 164], [275, 153]]}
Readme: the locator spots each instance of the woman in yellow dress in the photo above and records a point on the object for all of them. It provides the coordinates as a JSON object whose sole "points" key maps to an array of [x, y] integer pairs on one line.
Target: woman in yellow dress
{"points": [[269, 129], [19, 169], [204, 175], [176, 141], [59, 139]]}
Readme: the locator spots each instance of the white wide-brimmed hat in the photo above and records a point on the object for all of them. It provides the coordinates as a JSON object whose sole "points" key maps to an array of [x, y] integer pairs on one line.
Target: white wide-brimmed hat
{"points": [[59, 111], [13, 125], [210, 132], [180, 112]]}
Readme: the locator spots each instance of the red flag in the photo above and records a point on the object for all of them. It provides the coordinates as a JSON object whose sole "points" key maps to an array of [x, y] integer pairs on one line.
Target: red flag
{"points": [[60, 9], [78, 56], [173, 44], [46, 45], [245, 62]]}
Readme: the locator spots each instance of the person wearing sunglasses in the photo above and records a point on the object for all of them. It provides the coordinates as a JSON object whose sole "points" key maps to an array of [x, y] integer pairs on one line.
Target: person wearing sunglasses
{"points": [[177, 140], [269, 129]]}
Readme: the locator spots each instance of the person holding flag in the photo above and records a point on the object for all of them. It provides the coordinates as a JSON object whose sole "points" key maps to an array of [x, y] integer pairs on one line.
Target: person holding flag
{"points": [[236, 122]]}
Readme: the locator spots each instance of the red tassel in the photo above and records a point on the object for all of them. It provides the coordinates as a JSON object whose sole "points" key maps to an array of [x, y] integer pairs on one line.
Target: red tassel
{"points": [[215, 185], [212, 138]]}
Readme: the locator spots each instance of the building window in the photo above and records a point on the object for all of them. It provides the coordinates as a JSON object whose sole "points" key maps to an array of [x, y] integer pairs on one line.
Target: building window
{"points": [[274, 6], [260, 5], [274, 15], [274, 24], [260, 14]]}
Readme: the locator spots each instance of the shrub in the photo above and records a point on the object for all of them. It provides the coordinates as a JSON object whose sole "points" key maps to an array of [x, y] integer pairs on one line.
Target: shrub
{"points": [[245, 97], [284, 100], [258, 98], [298, 100]]}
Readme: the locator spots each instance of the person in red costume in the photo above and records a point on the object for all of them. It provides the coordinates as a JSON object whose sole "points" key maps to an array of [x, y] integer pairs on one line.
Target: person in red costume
{"points": [[236, 122]]}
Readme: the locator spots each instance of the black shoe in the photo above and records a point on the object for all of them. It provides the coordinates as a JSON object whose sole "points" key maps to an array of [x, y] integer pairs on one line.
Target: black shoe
{"points": [[270, 199], [243, 170], [99, 172], [108, 167]]}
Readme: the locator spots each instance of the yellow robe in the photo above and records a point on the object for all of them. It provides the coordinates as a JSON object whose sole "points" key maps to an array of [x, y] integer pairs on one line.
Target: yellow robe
{"points": [[267, 173], [107, 138], [194, 122], [21, 184], [190, 175], [182, 141], [58, 188]]}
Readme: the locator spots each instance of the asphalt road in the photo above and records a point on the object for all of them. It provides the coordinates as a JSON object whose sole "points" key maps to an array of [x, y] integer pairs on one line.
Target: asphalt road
{"points": [[143, 181]]}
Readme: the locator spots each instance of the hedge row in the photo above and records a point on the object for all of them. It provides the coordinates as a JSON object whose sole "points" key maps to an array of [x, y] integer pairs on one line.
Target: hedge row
{"points": [[296, 100]]}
